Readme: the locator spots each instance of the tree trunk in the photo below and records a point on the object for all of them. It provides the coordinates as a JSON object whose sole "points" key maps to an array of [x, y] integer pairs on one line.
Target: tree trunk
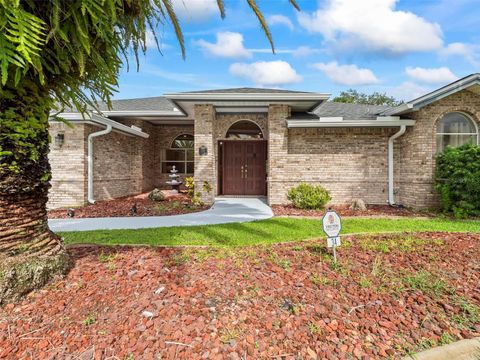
{"points": [[30, 254]]}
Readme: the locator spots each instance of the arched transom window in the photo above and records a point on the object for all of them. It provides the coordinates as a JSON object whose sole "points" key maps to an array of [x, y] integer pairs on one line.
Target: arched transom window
{"points": [[456, 129], [180, 155], [243, 130]]}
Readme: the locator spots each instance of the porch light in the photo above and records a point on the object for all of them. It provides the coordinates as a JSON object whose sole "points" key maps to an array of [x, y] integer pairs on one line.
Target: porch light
{"points": [[59, 140]]}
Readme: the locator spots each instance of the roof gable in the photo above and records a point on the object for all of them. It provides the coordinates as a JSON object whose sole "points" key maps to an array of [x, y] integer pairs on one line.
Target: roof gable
{"points": [[468, 82]]}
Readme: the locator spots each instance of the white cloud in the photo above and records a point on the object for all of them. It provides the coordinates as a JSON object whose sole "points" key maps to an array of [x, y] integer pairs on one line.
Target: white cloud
{"points": [[347, 74], [408, 91], [374, 24], [280, 20], [441, 75], [229, 44], [195, 10], [304, 51], [469, 52], [270, 73]]}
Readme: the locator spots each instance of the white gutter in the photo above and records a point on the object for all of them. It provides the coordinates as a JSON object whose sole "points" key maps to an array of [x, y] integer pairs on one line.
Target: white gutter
{"points": [[106, 131], [347, 123], [391, 195]]}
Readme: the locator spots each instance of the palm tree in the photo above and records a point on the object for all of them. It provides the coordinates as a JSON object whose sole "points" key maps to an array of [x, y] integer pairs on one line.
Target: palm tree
{"points": [[56, 53]]}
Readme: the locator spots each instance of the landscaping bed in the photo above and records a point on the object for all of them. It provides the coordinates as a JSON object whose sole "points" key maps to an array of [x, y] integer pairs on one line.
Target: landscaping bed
{"points": [[174, 205], [389, 295], [344, 210]]}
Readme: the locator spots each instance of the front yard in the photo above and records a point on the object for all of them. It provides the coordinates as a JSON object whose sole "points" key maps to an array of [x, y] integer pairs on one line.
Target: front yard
{"points": [[388, 296], [262, 232]]}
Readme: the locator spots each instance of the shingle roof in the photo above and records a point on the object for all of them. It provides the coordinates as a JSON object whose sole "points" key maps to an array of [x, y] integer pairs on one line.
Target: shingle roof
{"points": [[350, 111], [247, 90], [157, 103]]}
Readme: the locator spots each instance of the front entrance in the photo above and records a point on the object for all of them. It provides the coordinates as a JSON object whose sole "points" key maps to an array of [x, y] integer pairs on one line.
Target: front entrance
{"points": [[243, 167]]}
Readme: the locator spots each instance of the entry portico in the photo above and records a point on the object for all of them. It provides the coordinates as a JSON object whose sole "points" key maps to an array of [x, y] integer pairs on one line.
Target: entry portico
{"points": [[234, 147]]}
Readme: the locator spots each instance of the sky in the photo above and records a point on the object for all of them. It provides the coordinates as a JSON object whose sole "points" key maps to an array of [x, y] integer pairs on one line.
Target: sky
{"points": [[404, 48]]}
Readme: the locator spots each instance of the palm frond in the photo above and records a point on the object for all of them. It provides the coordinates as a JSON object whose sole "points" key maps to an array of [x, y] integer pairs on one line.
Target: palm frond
{"points": [[253, 5], [221, 7], [176, 24], [295, 4]]}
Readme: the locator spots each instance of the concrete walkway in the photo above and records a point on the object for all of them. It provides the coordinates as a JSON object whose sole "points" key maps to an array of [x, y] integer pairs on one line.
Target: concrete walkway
{"points": [[224, 210]]}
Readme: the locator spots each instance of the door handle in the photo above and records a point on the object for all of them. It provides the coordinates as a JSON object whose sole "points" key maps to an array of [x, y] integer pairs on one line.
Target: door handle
{"points": [[241, 171], [246, 171]]}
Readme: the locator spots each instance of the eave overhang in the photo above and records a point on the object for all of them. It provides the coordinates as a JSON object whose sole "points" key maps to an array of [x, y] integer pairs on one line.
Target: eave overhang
{"points": [[348, 123], [98, 120], [416, 104]]}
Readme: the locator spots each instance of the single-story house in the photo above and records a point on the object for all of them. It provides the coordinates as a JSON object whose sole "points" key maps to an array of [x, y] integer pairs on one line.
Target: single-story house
{"points": [[262, 142]]}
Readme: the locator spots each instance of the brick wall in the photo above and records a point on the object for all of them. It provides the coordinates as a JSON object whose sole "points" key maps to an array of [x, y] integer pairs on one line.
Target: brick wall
{"points": [[205, 165], [117, 165], [418, 147], [350, 163], [164, 136], [69, 186]]}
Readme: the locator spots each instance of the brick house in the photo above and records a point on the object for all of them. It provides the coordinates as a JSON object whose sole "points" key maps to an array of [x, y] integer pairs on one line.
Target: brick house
{"points": [[261, 142]]}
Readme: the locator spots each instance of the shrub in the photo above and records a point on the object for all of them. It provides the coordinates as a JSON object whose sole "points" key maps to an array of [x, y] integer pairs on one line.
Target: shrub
{"points": [[306, 196], [190, 185], [457, 179]]}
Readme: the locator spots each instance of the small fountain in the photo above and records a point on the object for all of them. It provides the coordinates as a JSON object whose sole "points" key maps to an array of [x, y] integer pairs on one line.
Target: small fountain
{"points": [[175, 181]]}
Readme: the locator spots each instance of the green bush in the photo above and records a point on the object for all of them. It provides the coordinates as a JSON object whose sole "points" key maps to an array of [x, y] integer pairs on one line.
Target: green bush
{"points": [[306, 196], [457, 179]]}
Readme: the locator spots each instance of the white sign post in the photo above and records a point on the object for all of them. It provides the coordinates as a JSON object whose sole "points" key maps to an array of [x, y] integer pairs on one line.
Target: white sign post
{"points": [[332, 225]]}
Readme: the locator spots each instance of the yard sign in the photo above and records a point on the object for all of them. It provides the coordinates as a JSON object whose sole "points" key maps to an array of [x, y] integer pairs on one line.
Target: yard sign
{"points": [[332, 225]]}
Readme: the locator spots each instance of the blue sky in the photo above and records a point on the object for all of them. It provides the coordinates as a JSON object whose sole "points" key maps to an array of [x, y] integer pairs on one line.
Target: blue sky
{"points": [[404, 48]]}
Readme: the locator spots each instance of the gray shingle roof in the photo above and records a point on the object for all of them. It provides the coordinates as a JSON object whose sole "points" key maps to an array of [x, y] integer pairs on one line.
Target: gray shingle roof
{"points": [[247, 90], [158, 103], [350, 111]]}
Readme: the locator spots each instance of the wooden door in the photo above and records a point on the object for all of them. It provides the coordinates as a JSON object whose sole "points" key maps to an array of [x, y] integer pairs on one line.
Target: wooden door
{"points": [[244, 167], [254, 168]]}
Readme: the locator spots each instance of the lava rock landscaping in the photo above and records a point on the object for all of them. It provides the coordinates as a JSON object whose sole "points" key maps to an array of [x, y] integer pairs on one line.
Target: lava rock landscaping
{"points": [[345, 210], [389, 295], [139, 205]]}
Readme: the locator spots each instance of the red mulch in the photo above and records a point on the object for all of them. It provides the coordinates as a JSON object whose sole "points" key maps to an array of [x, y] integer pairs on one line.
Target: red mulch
{"points": [[344, 210], [175, 205], [283, 301]]}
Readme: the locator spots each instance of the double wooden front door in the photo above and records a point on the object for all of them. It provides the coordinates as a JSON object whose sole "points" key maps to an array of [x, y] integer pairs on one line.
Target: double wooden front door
{"points": [[243, 167]]}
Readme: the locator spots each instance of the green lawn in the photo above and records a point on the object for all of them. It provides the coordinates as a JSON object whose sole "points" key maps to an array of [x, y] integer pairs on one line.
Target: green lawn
{"points": [[262, 232]]}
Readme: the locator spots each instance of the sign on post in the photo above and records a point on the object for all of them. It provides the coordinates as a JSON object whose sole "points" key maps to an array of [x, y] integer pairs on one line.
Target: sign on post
{"points": [[332, 224]]}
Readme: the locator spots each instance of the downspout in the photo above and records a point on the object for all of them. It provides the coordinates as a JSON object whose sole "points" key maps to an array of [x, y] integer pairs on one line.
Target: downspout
{"points": [[91, 136], [391, 139]]}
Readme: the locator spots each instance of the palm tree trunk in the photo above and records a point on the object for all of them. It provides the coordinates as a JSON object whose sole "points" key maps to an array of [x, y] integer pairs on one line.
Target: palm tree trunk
{"points": [[30, 254]]}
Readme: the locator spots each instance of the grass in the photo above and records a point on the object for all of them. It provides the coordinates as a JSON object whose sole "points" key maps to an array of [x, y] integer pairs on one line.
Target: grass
{"points": [[269, 231]]}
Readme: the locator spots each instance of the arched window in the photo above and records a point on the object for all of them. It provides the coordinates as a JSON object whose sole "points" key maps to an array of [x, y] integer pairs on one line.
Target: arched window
{"points": [[244, 129], [455, 129], [184, 141], [179, 155]]}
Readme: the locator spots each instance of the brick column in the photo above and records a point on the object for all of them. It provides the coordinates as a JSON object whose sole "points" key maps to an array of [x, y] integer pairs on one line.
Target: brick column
{"points": [[277, 152], [205, 166]]}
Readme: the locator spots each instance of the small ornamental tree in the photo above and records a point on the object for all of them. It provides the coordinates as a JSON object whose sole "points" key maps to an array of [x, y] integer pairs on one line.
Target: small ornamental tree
{"points": [[56, 53], [457, 178]]}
